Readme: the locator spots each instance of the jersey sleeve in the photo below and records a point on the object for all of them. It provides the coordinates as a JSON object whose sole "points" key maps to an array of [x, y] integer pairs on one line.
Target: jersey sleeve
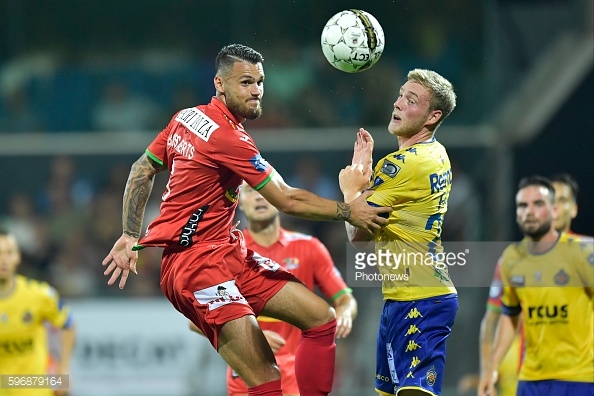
{"points": [[326, 275], [390, 176], [54, 310], [238, 152], [157, 150], [584, 263], [496, 290], [510, 304]]}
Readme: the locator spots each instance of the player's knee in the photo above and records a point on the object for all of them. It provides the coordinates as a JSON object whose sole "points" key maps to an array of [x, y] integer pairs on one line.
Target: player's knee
{"points": [[322, 316], [331, 314]]}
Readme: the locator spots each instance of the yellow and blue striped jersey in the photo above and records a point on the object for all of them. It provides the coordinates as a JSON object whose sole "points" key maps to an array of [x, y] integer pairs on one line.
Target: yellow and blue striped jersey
{"points": [[23, 335], [416, 182], [553, 291]]}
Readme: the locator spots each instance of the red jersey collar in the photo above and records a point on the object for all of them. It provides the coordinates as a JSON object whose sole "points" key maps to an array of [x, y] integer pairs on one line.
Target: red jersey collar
{"points": [[225, 110], [282, 237]]}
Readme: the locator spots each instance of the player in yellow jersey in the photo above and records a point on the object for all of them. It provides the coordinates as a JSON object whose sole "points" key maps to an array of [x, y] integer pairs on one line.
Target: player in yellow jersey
{"points": [[566, 190], [420, 299], [548, 278], [26, 306]]}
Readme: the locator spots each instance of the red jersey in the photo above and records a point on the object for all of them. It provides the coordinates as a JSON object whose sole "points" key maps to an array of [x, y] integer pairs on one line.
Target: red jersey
{"points": [[208, 154], [309, 260]]}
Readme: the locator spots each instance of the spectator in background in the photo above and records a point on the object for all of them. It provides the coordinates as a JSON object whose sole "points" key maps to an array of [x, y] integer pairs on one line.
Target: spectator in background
{"points": [[18, 115], [66, 199], [309, 174], [30, 231], [464, 214], [69, 271], [120, 110]]}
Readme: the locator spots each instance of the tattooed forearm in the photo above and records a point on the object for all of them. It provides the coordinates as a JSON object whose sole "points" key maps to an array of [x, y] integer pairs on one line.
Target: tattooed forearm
{"points": [[136, 195], [343, 211]]}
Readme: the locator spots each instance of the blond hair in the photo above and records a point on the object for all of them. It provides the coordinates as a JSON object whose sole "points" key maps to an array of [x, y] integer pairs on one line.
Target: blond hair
{"points": [[442, 92]]}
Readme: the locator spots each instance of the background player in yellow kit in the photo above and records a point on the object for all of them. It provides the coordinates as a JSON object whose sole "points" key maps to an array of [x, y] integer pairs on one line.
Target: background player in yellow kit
{"points": [[566, 191], [26, 306], [548, 278]]}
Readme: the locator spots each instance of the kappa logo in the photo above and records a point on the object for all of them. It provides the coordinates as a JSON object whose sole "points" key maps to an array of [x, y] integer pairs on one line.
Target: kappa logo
{"points": [[412, 330], [414, 362], [219, 295], [413, 314], [412, 346]]}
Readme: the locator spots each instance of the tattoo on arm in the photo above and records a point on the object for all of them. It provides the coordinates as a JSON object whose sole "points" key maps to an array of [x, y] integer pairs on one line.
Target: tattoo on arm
{"points": [[137, 193], [343, 211]]}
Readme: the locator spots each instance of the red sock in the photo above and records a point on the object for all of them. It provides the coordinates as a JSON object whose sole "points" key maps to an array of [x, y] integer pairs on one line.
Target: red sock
{"points": [[272, 388], [314, 360]]}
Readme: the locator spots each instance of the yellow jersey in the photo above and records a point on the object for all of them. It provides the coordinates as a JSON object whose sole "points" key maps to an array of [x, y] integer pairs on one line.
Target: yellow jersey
{"points": [[23, 335], [416, 182], [553, 291]]}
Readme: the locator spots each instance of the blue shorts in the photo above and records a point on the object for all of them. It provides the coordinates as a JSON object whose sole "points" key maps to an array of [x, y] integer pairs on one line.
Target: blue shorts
{"points": [[554, 387], [411, 344]]}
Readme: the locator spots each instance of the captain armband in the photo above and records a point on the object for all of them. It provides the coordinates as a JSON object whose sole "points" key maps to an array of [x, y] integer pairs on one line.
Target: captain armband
{"points": [[511, 311]]}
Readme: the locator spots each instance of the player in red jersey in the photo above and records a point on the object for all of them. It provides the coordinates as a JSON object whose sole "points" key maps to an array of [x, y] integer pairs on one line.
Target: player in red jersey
{"points": [[207, 272], [309, 260], [566, 190]]}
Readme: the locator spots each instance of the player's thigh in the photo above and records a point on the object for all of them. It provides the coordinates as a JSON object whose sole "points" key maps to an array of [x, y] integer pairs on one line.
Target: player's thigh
{"points": [[299, 306], [385, 371], [244, 347]]}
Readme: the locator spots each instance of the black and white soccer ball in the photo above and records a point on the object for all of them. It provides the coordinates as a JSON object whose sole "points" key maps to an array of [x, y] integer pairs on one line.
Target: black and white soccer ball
{"points": [[352, 40]]}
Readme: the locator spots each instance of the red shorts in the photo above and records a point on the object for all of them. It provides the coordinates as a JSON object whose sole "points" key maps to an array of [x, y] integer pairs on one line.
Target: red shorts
{"points": [[286, 364], [214, 283]]}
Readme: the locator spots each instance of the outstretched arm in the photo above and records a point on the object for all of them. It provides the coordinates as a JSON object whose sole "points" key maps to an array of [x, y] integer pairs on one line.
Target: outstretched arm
{"points": [[122, 259], [304, 204]]}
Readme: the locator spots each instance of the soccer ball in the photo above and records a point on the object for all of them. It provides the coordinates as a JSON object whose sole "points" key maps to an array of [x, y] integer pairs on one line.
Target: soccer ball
{"points": [[352, 41]]}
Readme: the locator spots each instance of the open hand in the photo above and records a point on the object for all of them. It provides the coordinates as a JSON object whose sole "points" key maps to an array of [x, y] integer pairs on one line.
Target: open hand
{"points": [[121, 260]]}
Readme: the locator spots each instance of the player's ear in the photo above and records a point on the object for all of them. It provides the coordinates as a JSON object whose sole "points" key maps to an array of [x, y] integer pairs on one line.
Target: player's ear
{"points": [[219, 84], [434, 117]]}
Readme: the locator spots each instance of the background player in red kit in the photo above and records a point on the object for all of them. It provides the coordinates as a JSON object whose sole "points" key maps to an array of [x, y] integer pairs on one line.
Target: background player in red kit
{"points": [[309, 260], [207, 272]]}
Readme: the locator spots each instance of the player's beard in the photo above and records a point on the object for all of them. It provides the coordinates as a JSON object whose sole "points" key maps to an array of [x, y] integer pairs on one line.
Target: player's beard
{"points": [[242, 110], [407, 129], [539, 232]]}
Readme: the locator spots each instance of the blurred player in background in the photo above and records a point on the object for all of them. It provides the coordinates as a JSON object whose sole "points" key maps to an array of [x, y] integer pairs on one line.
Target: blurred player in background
{"points": [[420, 300], [566, 193], [207, 272], [26, 306], [566, 190], [548, 278], [309, 260]]}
